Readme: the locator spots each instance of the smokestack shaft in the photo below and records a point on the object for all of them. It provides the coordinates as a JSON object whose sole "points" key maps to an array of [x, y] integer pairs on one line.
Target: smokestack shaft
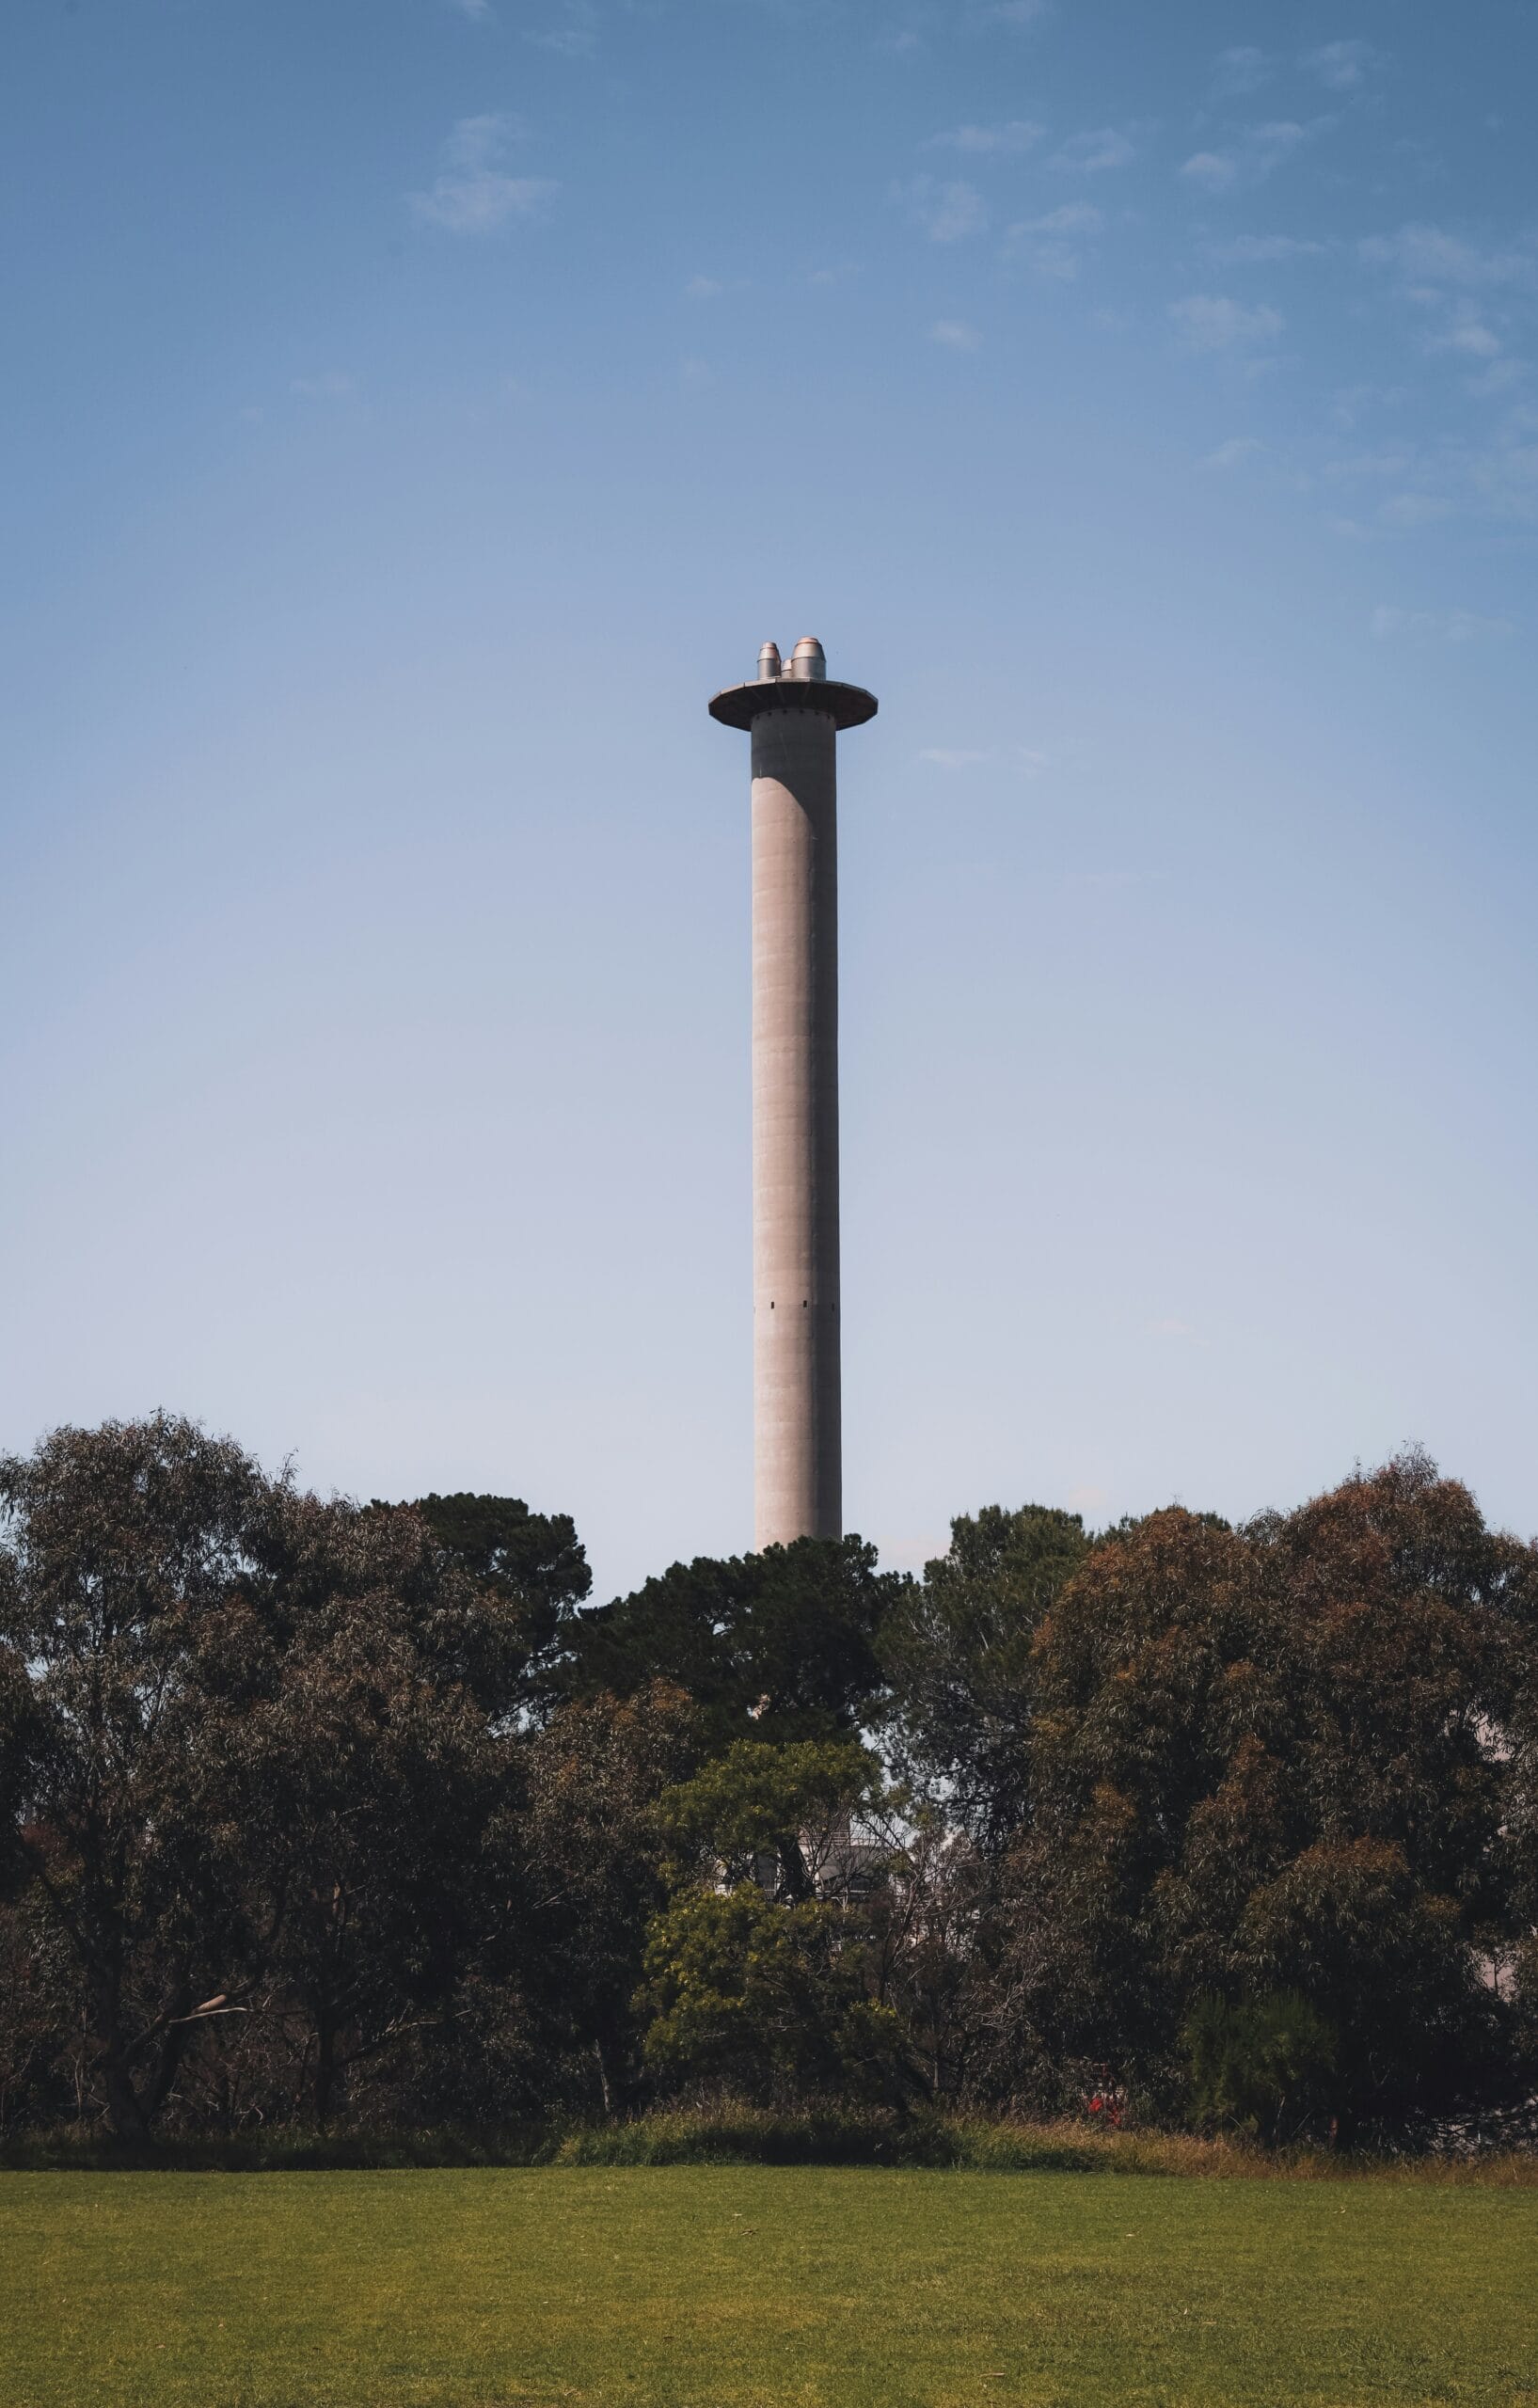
{"points": [[797, 1454]]}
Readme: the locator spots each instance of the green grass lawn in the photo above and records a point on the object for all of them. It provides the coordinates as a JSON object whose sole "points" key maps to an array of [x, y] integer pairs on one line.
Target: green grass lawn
{"points": [[836, 2287]]}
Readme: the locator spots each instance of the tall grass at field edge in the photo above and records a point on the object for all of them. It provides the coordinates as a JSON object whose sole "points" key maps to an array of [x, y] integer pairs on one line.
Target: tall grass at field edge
{"points": [[728, 2135], [748, 2136]]}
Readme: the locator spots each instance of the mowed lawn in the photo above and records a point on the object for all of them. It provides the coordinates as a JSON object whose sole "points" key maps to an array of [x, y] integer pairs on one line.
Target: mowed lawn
{"points": [[705, 2287]]}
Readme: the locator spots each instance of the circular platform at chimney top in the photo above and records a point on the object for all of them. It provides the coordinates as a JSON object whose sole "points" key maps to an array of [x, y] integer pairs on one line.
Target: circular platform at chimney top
{"points": [[846, 705]]}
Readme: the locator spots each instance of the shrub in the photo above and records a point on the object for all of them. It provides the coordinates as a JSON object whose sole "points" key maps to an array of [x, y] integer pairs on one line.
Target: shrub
{"points": [[1260, 2066]]}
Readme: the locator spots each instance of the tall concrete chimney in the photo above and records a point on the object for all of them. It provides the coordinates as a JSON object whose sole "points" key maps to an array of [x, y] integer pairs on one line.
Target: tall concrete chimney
{"points": [[793, 713]]}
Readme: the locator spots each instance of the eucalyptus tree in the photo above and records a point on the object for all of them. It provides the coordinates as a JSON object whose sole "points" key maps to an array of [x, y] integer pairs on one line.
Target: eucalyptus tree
{"points": [[122, 1547]]}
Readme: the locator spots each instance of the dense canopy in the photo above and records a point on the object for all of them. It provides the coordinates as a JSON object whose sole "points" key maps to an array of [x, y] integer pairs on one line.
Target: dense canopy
{"points": [[313, 1811]]}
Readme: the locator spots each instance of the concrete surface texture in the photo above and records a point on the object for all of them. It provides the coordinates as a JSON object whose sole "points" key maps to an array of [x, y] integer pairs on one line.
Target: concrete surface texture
{"points": [[794, 714], [798, 1452]]}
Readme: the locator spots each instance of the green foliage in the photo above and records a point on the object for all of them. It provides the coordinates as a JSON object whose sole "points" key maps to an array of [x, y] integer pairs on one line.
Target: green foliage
{"points": [[1260, 2066], [535, 1562], [125, 1546], [1268, 1758], [958, 1651], [730, 2131], [263, 1758], [313, 1814], [742, 1990], [536, 1556], [776, 1646], [582, 1837], [762, 1970], [761, 1806]]}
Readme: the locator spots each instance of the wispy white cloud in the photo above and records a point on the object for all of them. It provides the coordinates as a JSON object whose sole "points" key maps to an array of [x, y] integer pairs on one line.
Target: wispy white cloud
{"points": [[703, 288], [1212, 321], [576, 33], [1233, 454], [1502, 474], [1468, 333], [955, 334], [1019, 134], [1354, 402], [1436, 626], [1500, 376], [480, 11], [1428, 255], [1069, 217], [1342, 66], [1024, 758], [1241, 69], [476, 140], [1468, 290], [947, 211], [1261, 250], [331, 387], [1412, 510], [1493, 476], [1094, 153], [1395, 460], [1170, 1326], [1272, 143], [475, 195], [1050, 243], [1214, 171], [1255, 153], [1019, 13]]}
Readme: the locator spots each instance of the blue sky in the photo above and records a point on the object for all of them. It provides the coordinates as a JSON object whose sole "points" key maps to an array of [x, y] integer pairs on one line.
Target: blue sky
{"points": [[415, 408]]}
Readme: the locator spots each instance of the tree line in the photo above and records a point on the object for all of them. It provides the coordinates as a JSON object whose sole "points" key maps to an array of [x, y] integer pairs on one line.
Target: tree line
{"points": [[313, 1811]]}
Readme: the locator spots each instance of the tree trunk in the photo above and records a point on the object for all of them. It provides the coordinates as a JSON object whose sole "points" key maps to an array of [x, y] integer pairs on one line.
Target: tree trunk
{"points": [[173, 2041], [126, 2118], [325, 2066], [603, 2076]]}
